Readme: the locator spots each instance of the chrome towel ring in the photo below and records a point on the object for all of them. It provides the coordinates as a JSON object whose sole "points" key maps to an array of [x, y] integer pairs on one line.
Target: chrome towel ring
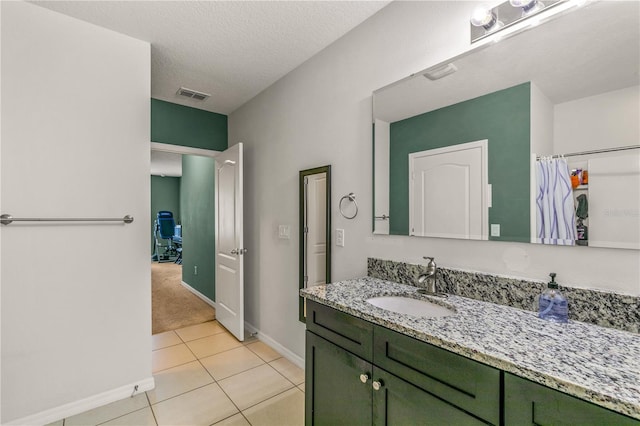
{"points": [[351, 197]]}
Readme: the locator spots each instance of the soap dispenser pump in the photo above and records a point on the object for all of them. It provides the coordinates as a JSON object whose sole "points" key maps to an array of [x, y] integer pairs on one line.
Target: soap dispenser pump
{"points": [[552, 304]]}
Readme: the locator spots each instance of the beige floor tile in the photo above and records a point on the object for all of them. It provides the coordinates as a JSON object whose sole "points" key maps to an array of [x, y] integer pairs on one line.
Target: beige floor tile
{"points": [[212, 345], [61, 423], [142, 417], [171, 357], [264, 351], [109, 411], [254, 386], [162, 340], [301, 387], [177, 380], [199, 331], [286, 409], [231, 362], [237, 420], [289, 370], [203, 406]]}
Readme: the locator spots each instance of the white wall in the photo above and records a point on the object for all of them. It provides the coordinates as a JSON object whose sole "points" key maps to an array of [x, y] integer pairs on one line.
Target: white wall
{"points": [[603, 121], [76, 299], [321, 114]]}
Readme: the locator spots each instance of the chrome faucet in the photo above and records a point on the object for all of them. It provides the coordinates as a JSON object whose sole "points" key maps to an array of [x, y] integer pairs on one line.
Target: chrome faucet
{"points": [[428, 279]]}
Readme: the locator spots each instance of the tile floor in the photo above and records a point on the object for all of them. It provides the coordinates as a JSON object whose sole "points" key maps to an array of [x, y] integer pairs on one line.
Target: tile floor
{"points": [[204, 376]]}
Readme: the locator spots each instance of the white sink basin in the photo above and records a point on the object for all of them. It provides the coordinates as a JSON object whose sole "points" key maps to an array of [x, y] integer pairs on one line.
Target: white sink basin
{"points": [[409, 306]]}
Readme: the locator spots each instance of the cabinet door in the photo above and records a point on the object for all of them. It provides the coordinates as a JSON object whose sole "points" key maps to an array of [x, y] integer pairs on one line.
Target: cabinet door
{"points": [[335, 394], [528, 403], [397, 402]]}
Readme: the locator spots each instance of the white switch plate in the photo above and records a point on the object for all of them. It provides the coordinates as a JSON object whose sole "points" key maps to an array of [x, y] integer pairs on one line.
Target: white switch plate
{"points": [[340, 237], [495, 229], [284, 232]]}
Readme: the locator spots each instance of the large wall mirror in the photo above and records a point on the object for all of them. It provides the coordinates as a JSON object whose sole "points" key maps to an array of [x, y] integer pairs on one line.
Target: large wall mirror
{"points": [[456, 157], [315, 229]]}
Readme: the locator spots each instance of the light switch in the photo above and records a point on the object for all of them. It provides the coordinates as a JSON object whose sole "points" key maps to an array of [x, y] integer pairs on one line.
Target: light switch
{"points": [[284, 232], [495, 229], [340, 237]]}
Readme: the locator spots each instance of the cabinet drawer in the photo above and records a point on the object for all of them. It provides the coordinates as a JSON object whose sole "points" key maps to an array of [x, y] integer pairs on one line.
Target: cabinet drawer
{"points": [[531, 403], [346, 331], [465, 383]]}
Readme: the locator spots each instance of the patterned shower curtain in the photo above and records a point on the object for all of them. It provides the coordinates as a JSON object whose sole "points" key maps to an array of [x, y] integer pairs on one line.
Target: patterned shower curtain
{"points": [[555, 213]]}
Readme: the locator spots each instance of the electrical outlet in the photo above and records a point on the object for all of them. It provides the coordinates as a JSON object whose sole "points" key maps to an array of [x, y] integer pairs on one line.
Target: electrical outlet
{"points": [[340, 237], [195, 270], [495, 229]]}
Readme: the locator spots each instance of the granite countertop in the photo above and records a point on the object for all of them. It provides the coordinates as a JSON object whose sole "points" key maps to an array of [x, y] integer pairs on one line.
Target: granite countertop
{"points": [[598, 364]]}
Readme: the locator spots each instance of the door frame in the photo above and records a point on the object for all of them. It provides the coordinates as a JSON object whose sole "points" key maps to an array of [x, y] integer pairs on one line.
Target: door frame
{"points": [[301, 210], [186, 150]]}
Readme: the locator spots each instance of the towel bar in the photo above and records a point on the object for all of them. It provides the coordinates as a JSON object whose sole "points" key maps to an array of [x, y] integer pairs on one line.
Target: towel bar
{"points": [[7, 219]]}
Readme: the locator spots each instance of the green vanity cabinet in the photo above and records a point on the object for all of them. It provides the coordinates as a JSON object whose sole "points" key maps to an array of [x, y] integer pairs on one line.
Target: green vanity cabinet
{"points": [[334, 393], [528, 403], [346, 386]]}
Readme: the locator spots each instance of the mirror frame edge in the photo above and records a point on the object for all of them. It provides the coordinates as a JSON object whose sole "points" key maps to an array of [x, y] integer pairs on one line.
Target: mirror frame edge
{"points": [[302, 174]]}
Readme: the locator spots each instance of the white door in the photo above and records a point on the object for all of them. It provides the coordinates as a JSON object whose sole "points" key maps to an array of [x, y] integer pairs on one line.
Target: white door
{"points": [[229, 249], [448, 192], [316, 227]]}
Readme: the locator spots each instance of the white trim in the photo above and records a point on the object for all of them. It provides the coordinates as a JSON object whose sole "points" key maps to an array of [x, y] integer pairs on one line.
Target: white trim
{"points": [[178, 149], [297, 360], [200, 295], [533, 195], [71, 409]]}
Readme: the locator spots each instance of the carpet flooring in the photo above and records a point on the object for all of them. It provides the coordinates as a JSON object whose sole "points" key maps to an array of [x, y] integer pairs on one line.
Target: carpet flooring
{"points": [[172, 305]]}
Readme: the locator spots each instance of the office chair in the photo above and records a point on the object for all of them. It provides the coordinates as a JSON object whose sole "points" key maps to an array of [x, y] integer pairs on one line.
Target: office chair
{"points": [[164, 230]]}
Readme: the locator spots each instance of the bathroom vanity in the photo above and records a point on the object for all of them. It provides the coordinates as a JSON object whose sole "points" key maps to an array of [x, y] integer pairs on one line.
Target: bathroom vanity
{"points": [[485, 364]]}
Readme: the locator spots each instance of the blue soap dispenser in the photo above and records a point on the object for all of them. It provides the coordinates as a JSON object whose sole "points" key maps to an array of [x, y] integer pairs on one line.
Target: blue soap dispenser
{"points": [[552, 304]]}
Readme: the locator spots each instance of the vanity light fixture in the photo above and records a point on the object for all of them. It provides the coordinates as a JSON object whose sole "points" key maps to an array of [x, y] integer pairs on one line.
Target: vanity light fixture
{"points": [[513, 16], [486, 18], [529, 7]]}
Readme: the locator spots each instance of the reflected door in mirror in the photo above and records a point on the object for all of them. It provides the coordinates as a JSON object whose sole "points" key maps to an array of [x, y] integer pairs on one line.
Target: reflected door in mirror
{"points": [[448, 194]]}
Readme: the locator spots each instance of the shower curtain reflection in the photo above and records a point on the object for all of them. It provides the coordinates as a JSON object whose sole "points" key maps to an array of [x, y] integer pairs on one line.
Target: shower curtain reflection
{"points": [[555, 214]]}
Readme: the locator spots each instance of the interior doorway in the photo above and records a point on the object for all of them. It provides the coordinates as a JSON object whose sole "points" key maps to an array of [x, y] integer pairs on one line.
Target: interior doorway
{"points": [[182, 283]]}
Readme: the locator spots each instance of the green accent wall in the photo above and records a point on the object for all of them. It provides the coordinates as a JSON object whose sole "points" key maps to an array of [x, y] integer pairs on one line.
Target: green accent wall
{"points": [[503, 118], [197, 210], [165, 195], [185, 126]]}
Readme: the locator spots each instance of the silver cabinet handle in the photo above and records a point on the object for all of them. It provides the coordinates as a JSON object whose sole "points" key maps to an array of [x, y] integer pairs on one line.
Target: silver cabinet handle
{"points": [[364, 378], [377, 385]]}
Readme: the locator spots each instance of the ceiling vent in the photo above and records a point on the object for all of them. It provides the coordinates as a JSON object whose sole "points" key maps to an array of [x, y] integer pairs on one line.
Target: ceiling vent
{"points": [[193, 94]]}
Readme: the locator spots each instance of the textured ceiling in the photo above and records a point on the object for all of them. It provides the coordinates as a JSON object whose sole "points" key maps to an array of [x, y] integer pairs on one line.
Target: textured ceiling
{"points": [[232, 50]]}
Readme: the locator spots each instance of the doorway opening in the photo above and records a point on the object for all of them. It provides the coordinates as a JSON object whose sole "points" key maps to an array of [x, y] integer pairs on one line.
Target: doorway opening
{"points": [[183, 289]]}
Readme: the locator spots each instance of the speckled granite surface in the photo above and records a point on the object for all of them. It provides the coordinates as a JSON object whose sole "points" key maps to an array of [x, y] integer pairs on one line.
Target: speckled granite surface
{"points": [[595, 307], [601, 365]]}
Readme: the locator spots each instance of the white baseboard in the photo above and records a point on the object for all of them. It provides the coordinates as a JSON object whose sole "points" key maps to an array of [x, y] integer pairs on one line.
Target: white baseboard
{"points": [[71, 409], [297, 360], [200, 295]]}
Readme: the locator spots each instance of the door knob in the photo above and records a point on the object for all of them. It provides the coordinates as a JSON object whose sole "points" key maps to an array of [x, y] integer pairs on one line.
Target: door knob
{"points": [[364, 378], [377, 385], [235, 251], [243, 251]]}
